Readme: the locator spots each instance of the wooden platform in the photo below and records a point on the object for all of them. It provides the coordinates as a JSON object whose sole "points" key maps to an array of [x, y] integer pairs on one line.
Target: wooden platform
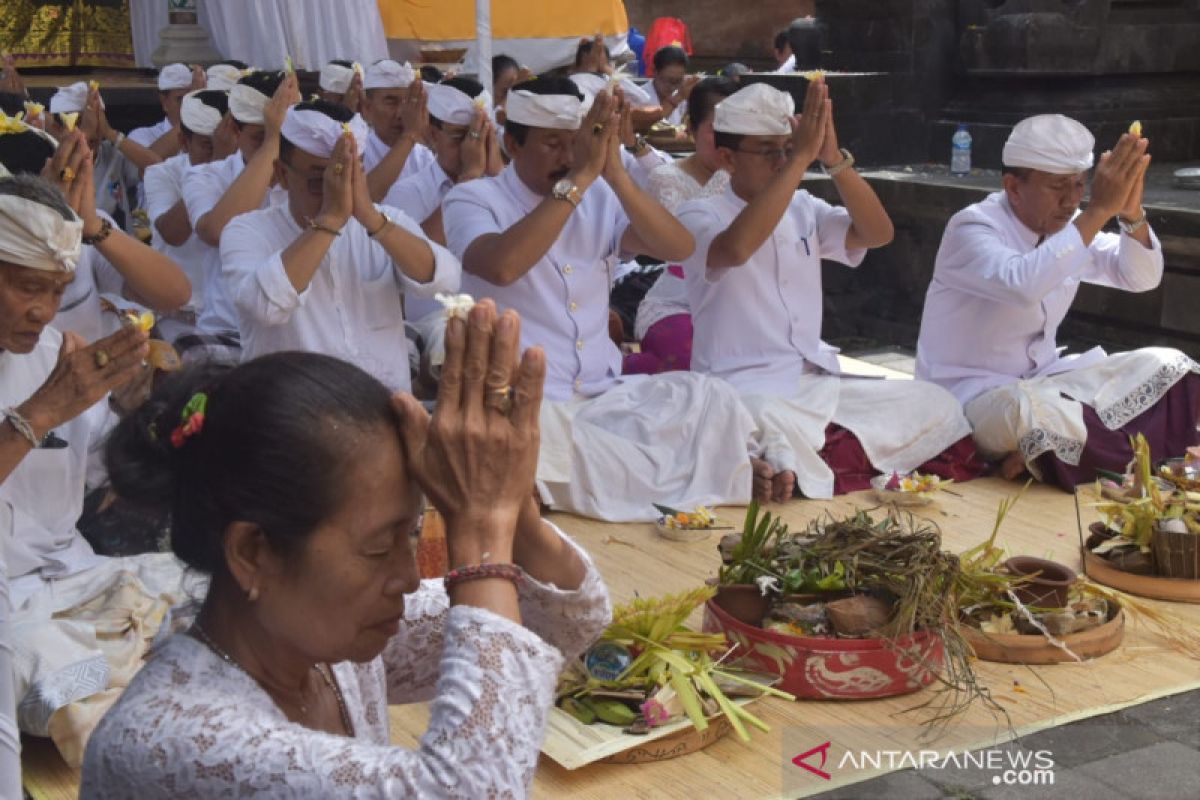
{"points": [[634, 560]]}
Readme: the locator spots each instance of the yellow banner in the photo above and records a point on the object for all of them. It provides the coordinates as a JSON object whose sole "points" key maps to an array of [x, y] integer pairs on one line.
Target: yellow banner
{"points": [[449, 20]]}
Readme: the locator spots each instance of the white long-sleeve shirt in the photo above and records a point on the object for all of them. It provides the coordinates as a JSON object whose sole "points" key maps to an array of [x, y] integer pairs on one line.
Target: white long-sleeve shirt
{"points": [[203, 188], [758, 325], [163, 189], [351, 308], [563, 298], [997, 297], [377, 149]]}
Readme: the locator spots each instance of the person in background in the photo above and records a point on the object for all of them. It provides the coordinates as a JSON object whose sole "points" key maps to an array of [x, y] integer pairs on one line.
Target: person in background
{"points": [[341, 82], [785, 59], [174, 81], [224, 75], [672, 85], [395, 108]]}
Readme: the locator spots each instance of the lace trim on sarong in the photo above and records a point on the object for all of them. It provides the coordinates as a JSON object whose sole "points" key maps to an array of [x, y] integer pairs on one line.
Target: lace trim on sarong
{"points": [[1040, 440], [74, 682], [1147, 394]]}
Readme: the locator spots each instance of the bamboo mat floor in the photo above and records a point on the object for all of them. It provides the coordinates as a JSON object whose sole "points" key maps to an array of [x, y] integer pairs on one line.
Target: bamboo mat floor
{"points": [[1143, 751]]}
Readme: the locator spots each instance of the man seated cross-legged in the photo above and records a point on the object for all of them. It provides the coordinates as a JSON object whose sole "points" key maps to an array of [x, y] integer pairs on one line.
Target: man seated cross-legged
{"points": [[755, 294], [539, 238], [1006, 274]]}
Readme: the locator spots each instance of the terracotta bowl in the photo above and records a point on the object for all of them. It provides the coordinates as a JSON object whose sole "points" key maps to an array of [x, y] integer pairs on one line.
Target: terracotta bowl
{"points": [[1013, 648], [1152, 586], [1049, 587]]}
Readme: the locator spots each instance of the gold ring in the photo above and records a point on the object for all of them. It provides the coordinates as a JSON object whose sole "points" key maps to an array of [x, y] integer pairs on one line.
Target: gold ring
{"points": [[337, 168], [67, 175], [473, 134], [499, 399], [101, 358], [597, 129]]}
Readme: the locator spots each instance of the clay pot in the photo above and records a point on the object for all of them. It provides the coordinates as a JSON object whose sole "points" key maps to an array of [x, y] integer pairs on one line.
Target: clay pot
{"points": [[1049, 588], [744, 602]]}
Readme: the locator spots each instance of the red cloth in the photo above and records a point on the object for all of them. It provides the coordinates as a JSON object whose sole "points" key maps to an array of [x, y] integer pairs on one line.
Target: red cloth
{"points": [[1169, 427], [664, 32], [666, 347], [852, 469]]}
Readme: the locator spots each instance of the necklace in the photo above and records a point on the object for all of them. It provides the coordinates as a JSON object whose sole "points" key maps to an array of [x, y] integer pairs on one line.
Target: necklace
{"points": [[322, 669]]}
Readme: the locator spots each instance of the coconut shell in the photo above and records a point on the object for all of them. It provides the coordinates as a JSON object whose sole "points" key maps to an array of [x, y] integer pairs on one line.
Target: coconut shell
{"points": [[858, 615]]}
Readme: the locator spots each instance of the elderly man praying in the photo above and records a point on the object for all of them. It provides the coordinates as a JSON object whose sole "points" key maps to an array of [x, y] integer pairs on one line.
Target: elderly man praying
{"points": [[1005, 276]]}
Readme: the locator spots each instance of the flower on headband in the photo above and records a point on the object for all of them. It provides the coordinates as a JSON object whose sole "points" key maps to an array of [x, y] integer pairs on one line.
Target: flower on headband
{"points": [[191, 420]]}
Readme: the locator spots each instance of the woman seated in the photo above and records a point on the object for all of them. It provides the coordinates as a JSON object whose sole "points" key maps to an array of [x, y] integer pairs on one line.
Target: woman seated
{"points": [[295, 482]]}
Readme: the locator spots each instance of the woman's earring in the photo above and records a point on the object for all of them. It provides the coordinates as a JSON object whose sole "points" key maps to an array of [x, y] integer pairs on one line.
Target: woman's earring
{"points": [[252, 595]]}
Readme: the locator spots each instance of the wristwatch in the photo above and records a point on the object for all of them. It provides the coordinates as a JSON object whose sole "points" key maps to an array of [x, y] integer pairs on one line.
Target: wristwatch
{"points": [[639, 146], [846, 163], [564, 189], [1131, 226]]}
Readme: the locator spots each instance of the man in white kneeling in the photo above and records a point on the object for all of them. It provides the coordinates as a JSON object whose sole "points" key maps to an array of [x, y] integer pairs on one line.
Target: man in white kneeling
{"points": [[1005, 276]]}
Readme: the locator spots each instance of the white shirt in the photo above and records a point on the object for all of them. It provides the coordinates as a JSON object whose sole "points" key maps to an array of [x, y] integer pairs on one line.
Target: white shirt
{"points": [[164, 188], [672, 187], [206, 184], [676, 116], [351, 309], [997, 298], [419, 195], [114, 175], [377, 148], [787, 66], [80, 309], [758, 325], [563, 298], [151, 133], [46, 489]]}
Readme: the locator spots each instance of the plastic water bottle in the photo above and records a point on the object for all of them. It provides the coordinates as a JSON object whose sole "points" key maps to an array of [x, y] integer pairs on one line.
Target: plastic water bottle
{"points": [[960, 152]]}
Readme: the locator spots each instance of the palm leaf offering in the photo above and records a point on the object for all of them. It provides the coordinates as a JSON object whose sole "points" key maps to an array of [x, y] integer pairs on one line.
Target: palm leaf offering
{"points": [[649, 668]]}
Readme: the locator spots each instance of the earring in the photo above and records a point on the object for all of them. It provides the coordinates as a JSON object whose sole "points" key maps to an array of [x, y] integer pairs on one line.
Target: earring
{"points": [[252, 595]]}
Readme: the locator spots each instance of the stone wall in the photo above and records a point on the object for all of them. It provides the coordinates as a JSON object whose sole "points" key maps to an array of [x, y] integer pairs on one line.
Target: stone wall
{"points": [[724, 30]]}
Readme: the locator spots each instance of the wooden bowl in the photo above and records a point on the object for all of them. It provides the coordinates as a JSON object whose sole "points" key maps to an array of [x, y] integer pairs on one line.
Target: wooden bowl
{"points": [[684, 741], [1014, 648], [1155, 587]]}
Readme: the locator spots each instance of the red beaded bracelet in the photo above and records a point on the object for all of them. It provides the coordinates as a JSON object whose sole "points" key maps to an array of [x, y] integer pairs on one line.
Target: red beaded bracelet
{"points": [[474, 572]]}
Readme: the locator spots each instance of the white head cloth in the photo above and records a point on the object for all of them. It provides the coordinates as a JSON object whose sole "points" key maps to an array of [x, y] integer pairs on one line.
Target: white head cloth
{"points": [[36, 236], [247, 103], [335, 78], [174, 76], [388, 74], [1050, 143], [755, 110], [69, 99], [454, 106], [198, 116], [592, 84], [223, 76], [562, 112], [317, 134]]}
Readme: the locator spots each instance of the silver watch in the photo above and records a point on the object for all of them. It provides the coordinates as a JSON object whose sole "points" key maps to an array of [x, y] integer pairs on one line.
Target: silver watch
{"points": [[564, 189], [1131, 226]]}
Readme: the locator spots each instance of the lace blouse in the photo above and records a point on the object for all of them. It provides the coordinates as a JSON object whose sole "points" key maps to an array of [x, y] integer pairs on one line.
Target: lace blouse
{"points": [[192, 725], [672, 187]]}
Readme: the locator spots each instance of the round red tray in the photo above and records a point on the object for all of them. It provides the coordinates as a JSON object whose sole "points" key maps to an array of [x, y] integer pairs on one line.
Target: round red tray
{"points": [[821, 668]]}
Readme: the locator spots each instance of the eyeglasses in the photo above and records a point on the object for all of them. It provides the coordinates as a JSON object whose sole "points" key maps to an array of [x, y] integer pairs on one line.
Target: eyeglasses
{"points": [[772, 155]]}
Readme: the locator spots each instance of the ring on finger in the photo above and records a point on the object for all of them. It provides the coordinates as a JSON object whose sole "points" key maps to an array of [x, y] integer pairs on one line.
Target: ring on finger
{"points": [[101, 358], [473, 134], [499, 399], [597, 129], [337, 168], [67, 175]]}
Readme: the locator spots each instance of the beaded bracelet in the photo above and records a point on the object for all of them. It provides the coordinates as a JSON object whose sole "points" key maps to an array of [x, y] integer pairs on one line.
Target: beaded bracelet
{"points": [[474, 572], [22, 426]]}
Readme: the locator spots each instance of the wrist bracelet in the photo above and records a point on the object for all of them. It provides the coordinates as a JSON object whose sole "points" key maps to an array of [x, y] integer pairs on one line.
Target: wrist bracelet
{"points": [[22, 427], [474, 572], [313, 225], [120, 138], [386, 222], [105, 231]]}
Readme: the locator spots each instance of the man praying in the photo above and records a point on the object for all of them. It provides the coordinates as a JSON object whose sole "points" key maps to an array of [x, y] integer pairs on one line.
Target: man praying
{"points": [[540, 238], [174, 81], [341, 82], [755, 294], [1006, 274], [395, 108]]}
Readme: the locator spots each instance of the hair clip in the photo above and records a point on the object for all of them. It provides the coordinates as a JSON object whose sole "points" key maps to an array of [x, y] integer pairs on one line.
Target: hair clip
{"points": [[191, 420]]}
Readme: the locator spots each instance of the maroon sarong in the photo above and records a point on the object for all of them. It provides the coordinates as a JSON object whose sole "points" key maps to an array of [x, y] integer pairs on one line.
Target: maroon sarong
{"points": [[666, 347], [1169, 427], [852, 469]]}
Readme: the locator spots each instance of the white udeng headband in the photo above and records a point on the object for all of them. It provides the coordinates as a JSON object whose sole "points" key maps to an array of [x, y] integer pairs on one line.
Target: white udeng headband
{"points": [[69, 99], [36, 236], [558, 111], [174, 76], [247, 103], [223, 76], [1050, 143], [454, 106], [755, 110], [198, 116], [335, 78], [388, 74], [317, 134]]}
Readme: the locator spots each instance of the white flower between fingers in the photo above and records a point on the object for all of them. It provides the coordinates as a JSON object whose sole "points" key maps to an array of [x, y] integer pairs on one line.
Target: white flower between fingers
{"points": [[456, 305]]}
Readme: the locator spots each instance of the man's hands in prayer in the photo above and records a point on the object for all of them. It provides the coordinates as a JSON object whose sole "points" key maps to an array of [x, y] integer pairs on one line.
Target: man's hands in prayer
{"points": [[830, 153], [414, 112], [810, 127], [199, 79], [620, 121], [78, 381], [596, 59], [593, 142], [477, 457], [353, 99], [1116, 185], [495, 158], [338, 201], [287, 94], [225, 138], [71, 170], [473, 156]]}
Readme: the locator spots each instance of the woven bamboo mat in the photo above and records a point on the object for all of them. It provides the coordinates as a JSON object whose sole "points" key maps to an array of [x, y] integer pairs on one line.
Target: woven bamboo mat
{"points": [[634, 560]]}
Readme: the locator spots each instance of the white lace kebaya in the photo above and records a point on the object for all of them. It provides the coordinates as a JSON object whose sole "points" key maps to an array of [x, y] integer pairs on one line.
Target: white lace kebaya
{"points": [[192, 725]]}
